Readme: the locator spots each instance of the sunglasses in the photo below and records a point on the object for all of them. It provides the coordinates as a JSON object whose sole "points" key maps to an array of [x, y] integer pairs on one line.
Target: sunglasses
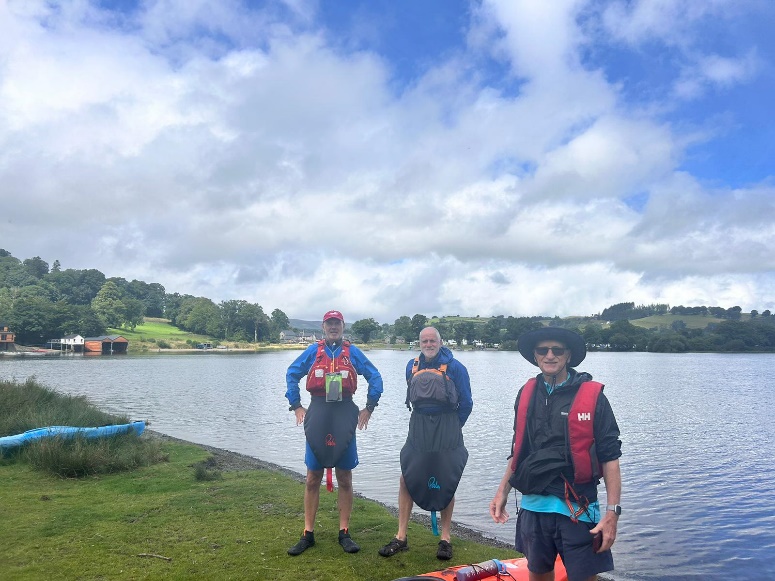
{"points": [[558, 351]]}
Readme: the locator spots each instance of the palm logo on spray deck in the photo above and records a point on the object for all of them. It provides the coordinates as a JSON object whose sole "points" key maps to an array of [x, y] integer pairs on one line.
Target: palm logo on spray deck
{"points": [[330, 440], [432, 484]]}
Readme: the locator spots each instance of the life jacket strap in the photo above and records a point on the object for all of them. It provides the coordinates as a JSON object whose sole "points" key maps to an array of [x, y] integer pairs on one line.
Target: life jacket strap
{"points": [[581, 501]]}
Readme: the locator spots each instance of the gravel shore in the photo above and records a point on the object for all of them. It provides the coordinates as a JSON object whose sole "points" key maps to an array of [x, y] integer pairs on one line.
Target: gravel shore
{"points": [[227, 461]]}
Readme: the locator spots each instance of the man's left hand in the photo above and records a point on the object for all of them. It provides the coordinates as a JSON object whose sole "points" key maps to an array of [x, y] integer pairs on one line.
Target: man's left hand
{"points": [[608, 525], [363, 419]]}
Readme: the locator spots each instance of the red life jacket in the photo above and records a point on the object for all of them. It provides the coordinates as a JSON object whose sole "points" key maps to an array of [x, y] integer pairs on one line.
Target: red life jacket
{"points": [[316, 376], [581, 436]]}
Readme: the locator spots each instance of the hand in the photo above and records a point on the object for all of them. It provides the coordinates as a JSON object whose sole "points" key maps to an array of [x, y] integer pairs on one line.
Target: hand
{"points": [[300, 413], [498, 510], [608, 527], [363, 419]]}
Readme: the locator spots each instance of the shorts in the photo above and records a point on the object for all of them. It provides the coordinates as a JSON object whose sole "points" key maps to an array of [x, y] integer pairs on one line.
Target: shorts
{"points": [[541, 536], [348, 461]]}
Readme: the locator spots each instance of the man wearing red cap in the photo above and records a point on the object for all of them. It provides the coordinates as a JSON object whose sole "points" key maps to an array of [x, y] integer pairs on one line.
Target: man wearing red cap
{"points": [[332, 366]]}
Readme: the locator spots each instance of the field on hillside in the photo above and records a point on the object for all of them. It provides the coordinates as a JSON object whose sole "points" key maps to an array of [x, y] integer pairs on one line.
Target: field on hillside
{"points": [[691, 321], [153, 330]]}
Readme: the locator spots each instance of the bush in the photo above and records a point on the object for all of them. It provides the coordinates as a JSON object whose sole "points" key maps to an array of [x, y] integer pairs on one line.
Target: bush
{"points": [[163, 344], [72, 458], [29, 405]]}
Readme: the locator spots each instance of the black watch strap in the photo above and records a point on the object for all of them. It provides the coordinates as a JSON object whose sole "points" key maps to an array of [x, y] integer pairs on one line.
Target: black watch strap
{"points": [[294, 407]]}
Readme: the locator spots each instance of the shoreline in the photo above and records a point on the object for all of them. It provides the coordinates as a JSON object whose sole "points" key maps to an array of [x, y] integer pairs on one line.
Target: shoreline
{"points": [[228, 461]]}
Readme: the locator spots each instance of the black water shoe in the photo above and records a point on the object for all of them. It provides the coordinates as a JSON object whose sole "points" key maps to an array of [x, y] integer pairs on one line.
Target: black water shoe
{"points": [[445, 551], [349, 545], [306, 541], [394, 547]]}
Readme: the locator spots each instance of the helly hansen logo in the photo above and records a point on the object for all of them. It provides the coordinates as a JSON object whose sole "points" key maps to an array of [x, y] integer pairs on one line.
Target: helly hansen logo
{"points": [[584, 417]]}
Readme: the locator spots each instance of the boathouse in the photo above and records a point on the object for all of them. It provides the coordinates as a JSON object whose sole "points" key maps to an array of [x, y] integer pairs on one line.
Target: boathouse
{"points": [[105, 344], [7, 338], [72, 343]]}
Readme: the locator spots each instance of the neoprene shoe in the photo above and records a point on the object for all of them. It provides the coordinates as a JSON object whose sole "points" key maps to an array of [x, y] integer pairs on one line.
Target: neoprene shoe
{"points": [[394, 547], [306, 541], [445, 551], [349, 545]]}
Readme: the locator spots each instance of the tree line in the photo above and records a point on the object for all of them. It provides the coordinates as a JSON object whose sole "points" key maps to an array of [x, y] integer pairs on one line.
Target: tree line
{"points": [[39, 303]]}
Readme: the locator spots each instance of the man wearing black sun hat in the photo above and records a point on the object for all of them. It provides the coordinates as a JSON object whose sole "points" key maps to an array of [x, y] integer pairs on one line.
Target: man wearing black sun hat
{"points": [[565, 439]]}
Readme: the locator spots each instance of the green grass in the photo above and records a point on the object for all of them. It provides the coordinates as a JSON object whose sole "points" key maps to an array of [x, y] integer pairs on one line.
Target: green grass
{"points": [[29, 405], [182, 518], [160, 522], [158, 332], [692, 321]]}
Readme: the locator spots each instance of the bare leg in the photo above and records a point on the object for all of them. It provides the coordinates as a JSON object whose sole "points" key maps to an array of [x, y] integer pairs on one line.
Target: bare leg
{"points": [[344, 480], [312, 498], [446, 520], [405, 504]]}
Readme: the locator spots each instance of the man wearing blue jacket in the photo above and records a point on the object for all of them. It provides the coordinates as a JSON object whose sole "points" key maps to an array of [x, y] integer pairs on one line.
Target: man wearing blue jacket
{"points": [[332, 366], [434, 455]]}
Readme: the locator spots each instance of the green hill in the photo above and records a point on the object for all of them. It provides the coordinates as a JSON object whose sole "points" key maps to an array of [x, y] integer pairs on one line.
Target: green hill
{"points": [[665, 321]]}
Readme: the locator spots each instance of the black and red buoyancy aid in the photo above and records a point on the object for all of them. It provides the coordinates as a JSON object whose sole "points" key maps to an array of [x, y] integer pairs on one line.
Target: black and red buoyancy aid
{"points": [[581, 420], [430, 384], [316, 376]]}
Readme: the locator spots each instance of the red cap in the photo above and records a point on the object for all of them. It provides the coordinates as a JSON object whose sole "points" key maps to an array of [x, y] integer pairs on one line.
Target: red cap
{"points": [[333, 315]]}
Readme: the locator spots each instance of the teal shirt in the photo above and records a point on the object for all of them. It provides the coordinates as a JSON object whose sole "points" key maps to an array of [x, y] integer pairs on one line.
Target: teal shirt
{"points": [[541, 503]]}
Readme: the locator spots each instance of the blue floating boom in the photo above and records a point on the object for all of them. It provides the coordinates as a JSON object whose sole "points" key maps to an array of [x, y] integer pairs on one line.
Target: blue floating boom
{"points": [[69, 432]]}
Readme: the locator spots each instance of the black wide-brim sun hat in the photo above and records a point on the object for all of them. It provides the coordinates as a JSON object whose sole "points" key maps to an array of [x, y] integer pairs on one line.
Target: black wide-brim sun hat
{"points": [[573, 341]]}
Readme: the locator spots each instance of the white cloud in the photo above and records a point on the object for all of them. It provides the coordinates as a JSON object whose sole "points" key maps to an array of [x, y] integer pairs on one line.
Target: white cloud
{"points": [[238, 154]]}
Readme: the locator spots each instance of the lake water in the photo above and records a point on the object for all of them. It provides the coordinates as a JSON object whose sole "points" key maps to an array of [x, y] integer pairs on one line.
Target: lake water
{"points": [[697, 432]]}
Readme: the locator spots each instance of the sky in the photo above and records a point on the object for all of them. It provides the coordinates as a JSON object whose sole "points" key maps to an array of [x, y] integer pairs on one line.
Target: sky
{"points": [[393, 157]]}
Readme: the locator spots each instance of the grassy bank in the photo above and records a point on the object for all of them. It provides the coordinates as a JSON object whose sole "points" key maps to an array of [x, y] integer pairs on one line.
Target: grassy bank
{"points": [[174, 519]]}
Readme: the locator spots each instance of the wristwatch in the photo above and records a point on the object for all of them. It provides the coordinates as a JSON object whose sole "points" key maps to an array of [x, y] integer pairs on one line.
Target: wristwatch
{"points": [[614, 507]]}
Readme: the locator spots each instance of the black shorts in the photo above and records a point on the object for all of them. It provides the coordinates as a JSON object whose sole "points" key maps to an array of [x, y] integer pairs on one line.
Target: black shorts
{"points": [[541, 536]]}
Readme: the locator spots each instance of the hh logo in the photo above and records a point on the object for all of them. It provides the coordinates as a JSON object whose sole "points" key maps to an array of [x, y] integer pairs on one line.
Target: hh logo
{"points": [[585, 417], [432, 484], [330, 440]]}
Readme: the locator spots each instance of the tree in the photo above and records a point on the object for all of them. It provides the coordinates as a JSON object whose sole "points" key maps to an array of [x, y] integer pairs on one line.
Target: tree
{"points": [[418, 324], [465, 330], [261, 325], [492, 330], [365, 328], [200, 315], [108, 305], [132, 314], [37, 267], [280, 321], [403, 328], [678, 325], [593, 334], [31, 320], [230, 312]]}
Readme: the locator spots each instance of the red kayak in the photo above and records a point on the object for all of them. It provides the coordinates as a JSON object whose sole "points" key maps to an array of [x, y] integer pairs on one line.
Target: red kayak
{"points": [[493, 570]]}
